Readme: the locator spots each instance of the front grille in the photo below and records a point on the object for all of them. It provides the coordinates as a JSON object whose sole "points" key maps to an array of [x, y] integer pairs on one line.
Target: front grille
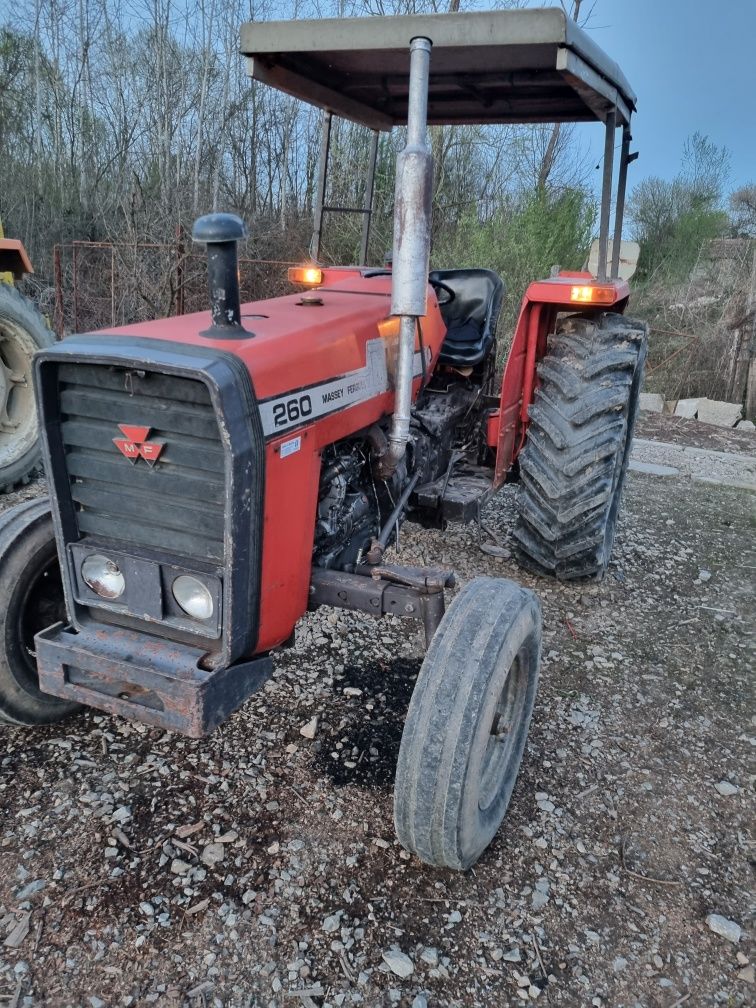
{"points": [[179, 505]]}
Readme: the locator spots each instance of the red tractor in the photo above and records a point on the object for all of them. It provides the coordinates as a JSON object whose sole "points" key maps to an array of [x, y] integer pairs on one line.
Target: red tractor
{"points": [[214, 476]]}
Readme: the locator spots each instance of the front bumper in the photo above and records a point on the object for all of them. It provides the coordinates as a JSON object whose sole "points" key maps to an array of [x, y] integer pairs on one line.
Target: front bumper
{"points": [[144, 678]]}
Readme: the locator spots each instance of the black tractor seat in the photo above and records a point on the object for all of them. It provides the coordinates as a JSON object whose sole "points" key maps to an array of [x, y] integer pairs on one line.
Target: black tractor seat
{"points": [[471, 317]]}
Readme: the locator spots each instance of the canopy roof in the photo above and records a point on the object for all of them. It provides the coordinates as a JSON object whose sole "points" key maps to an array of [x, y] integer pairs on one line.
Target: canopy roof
{"points": [[508, 66]]}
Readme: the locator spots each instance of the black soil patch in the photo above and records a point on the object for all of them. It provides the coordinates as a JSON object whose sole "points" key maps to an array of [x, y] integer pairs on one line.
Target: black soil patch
{"points": [[366, 741]]}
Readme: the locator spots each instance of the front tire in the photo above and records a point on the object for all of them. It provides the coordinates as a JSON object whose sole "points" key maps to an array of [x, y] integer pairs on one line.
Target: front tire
{"points": [[467, 724], [573, 465], [31, 599]]}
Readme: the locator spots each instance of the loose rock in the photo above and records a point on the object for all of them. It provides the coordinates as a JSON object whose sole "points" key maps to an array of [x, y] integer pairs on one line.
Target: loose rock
{"points": [[310, 730], [332, 923], [213, 854], [726, 789], [725, 928], [399, 963]]}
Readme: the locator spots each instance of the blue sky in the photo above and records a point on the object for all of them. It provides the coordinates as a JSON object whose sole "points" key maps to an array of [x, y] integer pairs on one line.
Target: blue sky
{"points": [[692, 64]]}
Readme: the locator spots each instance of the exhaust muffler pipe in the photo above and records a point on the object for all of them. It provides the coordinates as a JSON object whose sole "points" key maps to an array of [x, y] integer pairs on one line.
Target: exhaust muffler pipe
{"points": [[411, 253], [221, 232]]}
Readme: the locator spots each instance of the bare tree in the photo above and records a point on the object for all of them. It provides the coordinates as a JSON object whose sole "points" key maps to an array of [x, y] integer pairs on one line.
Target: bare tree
{"points": [[142, 117], [743, 210]]}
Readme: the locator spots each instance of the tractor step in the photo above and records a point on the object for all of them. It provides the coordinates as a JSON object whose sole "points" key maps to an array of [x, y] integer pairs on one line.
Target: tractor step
{"points": [[143, 678], [458, 498]]}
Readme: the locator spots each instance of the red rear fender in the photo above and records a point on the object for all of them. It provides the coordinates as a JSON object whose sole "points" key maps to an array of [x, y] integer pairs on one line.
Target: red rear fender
{"points": [[543, 301]]}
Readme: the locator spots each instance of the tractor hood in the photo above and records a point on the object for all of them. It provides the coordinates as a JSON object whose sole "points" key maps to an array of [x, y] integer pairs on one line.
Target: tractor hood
{"points": [[337, 344], [293, 341]]}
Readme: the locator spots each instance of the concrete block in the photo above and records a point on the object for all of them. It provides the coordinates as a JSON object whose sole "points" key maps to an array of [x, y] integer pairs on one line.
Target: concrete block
{"points": [[687, 408], [651, 402], [745, 425], [720, 414], [652, 468]]}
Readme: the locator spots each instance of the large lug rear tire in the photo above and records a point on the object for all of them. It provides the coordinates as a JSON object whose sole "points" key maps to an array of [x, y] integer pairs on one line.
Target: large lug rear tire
{"points": [[467, 724], [573, 465], [22, 332], [31, 599]]}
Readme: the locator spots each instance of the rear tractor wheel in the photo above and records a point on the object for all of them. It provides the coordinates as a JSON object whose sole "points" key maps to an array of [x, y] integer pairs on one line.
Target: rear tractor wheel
{"points": [[31, 599], [573, 465], [22, 333], [467, 724]]}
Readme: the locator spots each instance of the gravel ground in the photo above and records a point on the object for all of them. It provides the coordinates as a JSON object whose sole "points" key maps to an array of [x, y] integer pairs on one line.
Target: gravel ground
{"points": [[701, 465], [259, 868]]}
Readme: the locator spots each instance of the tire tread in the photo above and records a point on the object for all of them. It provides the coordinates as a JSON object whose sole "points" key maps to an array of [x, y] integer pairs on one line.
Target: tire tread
{"points": [[580, 431], [16, 524], [441, 719]]}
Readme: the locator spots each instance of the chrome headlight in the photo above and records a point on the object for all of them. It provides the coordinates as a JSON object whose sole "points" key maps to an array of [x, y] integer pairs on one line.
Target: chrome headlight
{"points": [[193, 597], [103, 576]]}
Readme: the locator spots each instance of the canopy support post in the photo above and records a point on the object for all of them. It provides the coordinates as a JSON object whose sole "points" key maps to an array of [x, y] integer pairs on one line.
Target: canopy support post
{"points": [[317, 226], [606, 193], [619, 213], [368, 204]]}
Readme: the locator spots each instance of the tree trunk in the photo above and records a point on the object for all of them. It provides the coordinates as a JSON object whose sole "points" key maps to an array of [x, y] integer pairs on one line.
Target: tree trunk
{"points": [[741, 386], [749, 399]]}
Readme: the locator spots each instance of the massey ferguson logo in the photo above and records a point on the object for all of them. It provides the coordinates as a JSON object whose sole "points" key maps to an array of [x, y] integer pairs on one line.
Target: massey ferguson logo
{"points": [[134, 444]]}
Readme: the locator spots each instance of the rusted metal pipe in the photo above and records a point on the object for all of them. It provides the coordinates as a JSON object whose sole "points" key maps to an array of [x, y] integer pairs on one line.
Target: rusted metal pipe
{"points": [[59, 317], [75, 269], [400, 421], [179, 252], [412, 229], [393, 518], [112, 286]]}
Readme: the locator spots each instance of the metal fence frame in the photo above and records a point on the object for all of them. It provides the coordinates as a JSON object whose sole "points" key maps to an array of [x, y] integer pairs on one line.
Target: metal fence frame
{"points": [[185, 281]]}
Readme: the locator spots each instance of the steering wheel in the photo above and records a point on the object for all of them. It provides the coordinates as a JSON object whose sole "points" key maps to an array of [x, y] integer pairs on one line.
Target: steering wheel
{"points": [[437, 285]]}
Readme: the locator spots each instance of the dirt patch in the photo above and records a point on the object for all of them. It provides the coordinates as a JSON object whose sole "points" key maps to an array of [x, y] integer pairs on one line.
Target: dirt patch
{"points": [[678, 430], [617, 846]]}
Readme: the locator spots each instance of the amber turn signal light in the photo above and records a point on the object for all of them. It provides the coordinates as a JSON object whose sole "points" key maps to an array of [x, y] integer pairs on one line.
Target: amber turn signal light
{"points": [[389, 327], [310, 276], [594, 295]]}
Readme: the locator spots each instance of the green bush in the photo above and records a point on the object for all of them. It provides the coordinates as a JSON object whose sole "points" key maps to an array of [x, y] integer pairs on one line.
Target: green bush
{"points": [[525, 237]]}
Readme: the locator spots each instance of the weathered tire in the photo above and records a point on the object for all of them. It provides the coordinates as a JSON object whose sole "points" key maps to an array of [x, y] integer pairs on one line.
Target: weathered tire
{"points": [[22, 332], [455, 775], [573, 465], [31, 598]]}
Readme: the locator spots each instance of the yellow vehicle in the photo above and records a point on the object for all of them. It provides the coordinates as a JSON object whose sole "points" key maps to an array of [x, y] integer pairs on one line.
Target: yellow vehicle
{"points": [[23, 331]]}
